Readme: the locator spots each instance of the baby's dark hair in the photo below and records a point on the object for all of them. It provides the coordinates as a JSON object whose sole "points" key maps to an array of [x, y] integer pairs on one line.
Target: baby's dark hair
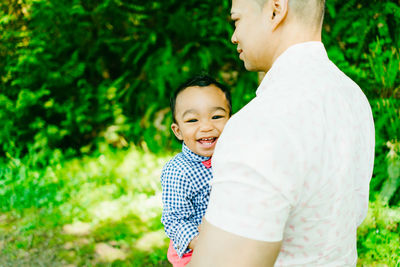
{"points": [[201, 81]]}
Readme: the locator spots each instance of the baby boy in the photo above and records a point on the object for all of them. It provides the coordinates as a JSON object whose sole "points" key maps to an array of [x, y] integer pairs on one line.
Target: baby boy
{"points": [[200, 108]]}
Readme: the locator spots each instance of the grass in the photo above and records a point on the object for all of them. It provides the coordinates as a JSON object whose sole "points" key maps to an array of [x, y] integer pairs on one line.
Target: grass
{"points": [[104, 210]]}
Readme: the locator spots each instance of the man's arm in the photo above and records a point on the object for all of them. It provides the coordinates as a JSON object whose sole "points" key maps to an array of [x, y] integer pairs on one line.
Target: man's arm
{"points": [[216, 247]]}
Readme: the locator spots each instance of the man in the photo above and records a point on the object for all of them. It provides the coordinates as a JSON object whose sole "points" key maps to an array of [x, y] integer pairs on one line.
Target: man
{"points": [[292, 168]]}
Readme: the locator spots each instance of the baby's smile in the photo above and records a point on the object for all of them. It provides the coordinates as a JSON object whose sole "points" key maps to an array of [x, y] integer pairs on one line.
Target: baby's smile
{"points": [[210, 141]]}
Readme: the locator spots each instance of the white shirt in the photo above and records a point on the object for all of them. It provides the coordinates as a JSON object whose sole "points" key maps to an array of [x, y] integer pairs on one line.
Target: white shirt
{"points": [[295, 163]]}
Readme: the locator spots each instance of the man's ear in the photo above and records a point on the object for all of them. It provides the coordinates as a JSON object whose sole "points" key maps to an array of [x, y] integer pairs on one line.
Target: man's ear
{"points": [[277, 11], [177, 131]]}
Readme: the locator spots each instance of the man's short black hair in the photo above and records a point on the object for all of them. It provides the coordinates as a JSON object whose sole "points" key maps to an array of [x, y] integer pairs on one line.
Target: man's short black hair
{"points": [[202, 80], [310, 11]]}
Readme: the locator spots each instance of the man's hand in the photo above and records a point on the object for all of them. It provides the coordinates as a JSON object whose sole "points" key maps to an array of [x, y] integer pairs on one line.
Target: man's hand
{"points": [[216, 247], [193, 243]]}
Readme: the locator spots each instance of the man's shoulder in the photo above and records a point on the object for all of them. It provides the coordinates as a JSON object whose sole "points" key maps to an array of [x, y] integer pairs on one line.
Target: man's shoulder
{"points": [[322, 76], [314, 84]]}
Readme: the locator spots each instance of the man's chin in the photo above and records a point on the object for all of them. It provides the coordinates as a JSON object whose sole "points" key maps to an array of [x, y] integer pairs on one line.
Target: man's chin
{"points": [[250, 67]]}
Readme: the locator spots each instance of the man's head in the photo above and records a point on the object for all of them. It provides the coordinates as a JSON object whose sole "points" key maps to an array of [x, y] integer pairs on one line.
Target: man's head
{"points": [[200, 108], [266, 28]]}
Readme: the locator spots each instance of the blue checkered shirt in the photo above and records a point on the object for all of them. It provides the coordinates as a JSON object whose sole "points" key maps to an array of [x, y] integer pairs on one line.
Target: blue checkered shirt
{"points": [[186, 188]]}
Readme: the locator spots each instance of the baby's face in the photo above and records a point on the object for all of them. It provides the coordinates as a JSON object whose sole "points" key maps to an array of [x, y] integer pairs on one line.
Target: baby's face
{"points": [[201, 114]]}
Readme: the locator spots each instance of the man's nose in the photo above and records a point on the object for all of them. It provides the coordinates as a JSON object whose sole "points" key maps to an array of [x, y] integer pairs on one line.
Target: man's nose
{"points": [[233, 38]]}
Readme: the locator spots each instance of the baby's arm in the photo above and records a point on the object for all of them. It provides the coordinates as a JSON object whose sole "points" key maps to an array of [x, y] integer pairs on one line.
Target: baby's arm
{"points": [[178, 211]]}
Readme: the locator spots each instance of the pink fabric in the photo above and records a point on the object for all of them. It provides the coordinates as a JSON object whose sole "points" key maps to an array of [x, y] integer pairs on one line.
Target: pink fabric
{"points": [[207, 163], [174, 258]]}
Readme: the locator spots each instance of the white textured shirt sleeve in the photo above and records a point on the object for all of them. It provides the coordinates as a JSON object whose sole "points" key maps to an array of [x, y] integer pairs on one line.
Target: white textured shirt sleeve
{"points": [[261, 217], [255, 189]]}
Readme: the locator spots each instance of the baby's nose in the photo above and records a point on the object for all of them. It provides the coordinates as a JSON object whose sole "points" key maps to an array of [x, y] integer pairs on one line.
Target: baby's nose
{"points": [[206, 126]]}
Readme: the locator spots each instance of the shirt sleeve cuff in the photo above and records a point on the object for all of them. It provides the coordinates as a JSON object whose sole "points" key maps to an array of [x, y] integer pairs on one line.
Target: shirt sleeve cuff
{"points": [[183, 236]]}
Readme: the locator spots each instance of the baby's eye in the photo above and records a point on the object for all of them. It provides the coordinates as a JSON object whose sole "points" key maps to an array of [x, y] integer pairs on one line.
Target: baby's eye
{"points": [[192, 120], [217, 117]]}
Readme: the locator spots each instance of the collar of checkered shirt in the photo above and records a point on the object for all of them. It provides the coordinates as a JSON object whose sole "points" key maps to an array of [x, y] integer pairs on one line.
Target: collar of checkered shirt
{"points": [[191, 155]]}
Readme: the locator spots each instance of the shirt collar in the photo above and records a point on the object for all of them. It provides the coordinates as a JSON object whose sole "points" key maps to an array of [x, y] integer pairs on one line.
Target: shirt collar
{"points": [[295, 55], [191, 155]]}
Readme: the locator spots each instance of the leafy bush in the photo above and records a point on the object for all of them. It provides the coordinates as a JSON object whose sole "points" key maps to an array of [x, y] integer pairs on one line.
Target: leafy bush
{"points": [[386, 179], [363, 39], [77, 71]]}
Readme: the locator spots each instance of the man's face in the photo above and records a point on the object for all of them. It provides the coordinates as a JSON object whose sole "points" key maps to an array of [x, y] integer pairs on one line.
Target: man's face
{"points": [[252, 34], [201, 114]]}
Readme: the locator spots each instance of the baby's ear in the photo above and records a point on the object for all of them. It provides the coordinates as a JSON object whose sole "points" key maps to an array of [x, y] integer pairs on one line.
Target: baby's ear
{"points": [[177, 131]]}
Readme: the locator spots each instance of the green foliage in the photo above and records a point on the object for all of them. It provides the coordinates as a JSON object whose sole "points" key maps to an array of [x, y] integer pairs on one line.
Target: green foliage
{"points": [[28, 183], [392, 183], [80, 76], [386, 178], [378, 237], [385, 66], [73, 72], [363, 39], [76, 71], [112, 198], [105, 205]]}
